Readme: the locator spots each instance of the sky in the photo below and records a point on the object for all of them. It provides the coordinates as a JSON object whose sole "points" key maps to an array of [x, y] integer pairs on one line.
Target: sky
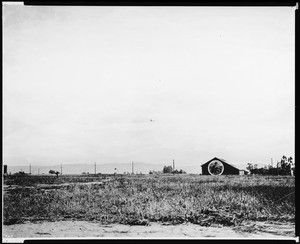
{"points": [[148, 84]]}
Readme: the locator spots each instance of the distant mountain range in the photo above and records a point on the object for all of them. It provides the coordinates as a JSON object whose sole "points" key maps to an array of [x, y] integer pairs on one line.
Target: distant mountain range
{"points": [[119, 168]]}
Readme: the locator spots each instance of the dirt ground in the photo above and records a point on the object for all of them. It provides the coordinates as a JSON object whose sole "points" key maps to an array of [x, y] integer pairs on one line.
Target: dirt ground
{"points": [[84, 229]]}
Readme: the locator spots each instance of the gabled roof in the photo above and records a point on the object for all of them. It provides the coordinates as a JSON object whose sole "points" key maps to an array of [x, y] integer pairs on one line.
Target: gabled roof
{"points": [[222, 160], [214, 159]]}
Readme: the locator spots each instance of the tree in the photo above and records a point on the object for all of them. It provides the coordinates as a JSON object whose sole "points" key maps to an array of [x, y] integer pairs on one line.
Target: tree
{"points": [[286, 164], [20, 173], [292, 166], [168, 169], [290, 161], [54, 172], [250, 167]]}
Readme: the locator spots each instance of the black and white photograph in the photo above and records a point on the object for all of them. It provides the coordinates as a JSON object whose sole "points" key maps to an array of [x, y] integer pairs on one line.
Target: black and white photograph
{"points": [[148, 122]]}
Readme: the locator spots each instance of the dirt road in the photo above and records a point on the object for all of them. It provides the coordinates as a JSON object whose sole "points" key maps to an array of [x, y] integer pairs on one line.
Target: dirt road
{"points": [[75, 229]]}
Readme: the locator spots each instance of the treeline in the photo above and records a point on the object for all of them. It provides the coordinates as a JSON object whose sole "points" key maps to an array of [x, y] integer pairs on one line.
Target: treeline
{"points": [[169, 169], [284, 167], [166, 170]]}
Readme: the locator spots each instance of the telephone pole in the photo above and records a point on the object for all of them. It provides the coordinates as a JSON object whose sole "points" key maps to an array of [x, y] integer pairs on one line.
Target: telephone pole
{"points": [[132, 168], [95, 169], [30, 169], [60, 169], [173, 164], [272, 162]]}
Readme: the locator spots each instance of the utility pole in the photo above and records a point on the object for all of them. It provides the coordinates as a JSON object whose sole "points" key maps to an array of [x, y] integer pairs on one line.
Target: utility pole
{"points": [[60, 169], [38, 171], [132, 168], [173, 164], [95, 169], [272, 162], [30, 169]]}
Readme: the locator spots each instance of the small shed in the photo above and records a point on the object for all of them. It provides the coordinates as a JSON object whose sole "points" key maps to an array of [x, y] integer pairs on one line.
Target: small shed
{"points": [[217, 166]]}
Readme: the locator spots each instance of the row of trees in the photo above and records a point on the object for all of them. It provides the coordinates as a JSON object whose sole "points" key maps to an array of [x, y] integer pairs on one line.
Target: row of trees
{"points": [[154, 172], [284, 167], [169, 169], [166, 170]]}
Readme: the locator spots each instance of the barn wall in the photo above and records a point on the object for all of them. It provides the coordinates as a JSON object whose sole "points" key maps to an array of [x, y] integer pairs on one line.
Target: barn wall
{"points": [[205, 169], [228, 169]]}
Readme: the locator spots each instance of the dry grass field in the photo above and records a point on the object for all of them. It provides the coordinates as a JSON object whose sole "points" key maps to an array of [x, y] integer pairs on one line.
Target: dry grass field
{"points": [[143, 199]]}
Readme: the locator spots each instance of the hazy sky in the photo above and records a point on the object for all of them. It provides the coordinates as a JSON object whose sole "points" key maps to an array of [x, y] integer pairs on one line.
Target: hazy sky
{"points": [[82, 84]]}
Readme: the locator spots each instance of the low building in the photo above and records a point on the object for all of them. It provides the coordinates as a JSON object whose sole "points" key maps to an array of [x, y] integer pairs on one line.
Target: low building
{"points": [[217, 166], [243, 172]]}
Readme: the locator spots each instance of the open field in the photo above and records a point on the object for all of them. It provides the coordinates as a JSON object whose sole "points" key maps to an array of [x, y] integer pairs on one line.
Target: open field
{"points": [[228, 201]]}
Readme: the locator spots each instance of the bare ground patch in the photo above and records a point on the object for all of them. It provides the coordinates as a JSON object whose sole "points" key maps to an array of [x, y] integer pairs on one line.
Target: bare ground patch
{"points": [[75, 229]]}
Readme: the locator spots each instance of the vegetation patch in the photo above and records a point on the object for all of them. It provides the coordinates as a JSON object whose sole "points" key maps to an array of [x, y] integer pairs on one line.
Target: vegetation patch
{"points": [[203, 200]]}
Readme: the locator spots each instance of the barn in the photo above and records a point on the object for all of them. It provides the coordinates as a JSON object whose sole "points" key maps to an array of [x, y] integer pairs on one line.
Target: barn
{"points": [[217, 166]]}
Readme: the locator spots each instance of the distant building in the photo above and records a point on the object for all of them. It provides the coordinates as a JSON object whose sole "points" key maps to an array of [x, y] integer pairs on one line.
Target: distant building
{"points": [[217, 166]]}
